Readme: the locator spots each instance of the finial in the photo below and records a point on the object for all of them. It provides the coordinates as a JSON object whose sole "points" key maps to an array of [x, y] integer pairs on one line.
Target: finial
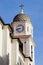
{"points": [[21, 8]]}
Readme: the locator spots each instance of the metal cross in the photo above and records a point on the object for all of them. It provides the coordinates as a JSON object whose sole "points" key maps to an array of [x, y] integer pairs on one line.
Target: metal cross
{"points": [[21, 6]]}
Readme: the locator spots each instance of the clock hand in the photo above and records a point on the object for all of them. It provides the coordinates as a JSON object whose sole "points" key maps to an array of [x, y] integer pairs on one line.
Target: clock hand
{"points": [[18, 28]]}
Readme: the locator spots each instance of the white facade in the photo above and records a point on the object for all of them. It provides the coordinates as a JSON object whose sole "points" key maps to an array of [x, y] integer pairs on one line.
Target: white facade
{"points": [[19, 46]]}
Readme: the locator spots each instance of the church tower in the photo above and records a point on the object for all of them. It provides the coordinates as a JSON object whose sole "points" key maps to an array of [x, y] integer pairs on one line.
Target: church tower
{"points": [[23, 29], [16, 41]]}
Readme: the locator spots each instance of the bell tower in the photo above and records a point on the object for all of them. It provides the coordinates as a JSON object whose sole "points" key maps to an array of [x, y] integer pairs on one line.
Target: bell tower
{"points": [[23, 29]]}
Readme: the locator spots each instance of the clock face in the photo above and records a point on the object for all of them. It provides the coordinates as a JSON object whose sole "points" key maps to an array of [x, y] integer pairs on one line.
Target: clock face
{"points": [[19, 28]]}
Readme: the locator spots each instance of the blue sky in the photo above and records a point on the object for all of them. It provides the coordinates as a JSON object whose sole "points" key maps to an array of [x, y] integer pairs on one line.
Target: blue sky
{"points": [[34, 9]]}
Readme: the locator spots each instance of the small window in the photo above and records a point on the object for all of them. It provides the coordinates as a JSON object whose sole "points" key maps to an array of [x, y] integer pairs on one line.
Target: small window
{"points": [[27, 28], [21, 47], [31, 51], [25, 42]]}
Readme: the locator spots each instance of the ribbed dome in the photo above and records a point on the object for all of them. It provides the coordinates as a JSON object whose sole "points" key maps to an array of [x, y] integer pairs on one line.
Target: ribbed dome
{"points": [[21, 17]]}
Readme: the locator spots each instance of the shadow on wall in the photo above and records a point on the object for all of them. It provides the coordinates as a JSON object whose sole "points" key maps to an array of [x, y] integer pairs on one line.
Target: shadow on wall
{"points": [[4, 60]]}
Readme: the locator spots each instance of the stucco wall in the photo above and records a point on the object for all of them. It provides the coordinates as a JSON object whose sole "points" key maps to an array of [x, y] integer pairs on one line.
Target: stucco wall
{"points": [[0, 40], [9, 46]]}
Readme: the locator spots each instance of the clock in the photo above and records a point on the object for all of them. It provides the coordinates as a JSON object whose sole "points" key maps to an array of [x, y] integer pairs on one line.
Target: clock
{"points": [[19, 28]]}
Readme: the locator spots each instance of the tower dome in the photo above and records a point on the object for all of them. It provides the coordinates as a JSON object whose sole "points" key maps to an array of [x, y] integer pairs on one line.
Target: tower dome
{"points": [[21, 17]]}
